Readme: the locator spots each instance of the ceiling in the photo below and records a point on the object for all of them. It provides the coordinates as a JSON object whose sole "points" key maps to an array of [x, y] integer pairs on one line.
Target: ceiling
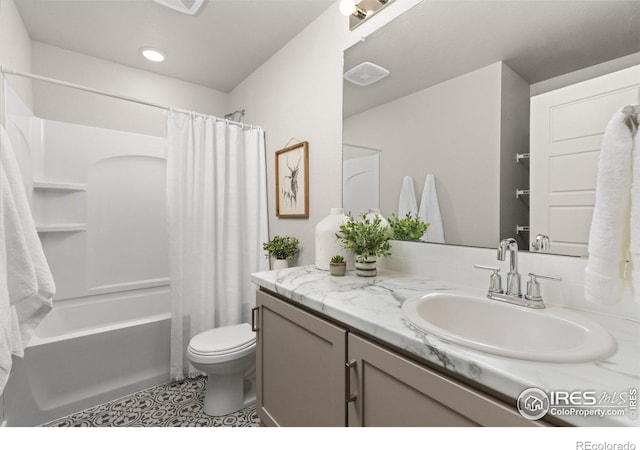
{"points": [[218, 47], [439, 40]]}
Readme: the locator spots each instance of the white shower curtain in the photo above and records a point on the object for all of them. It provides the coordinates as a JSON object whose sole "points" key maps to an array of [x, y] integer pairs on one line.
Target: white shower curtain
{"points": [[217, 220]]}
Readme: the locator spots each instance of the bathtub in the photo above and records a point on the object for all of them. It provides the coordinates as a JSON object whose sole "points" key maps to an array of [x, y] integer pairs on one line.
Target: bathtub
{"points": [[88, 351]]}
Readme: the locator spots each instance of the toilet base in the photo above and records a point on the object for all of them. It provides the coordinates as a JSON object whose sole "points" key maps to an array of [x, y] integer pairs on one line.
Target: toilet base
{"points": [[224, 394]]}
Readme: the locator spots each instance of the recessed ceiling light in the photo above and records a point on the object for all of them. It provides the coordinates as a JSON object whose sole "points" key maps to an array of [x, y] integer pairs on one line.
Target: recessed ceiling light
{"points": [[152, 54]]}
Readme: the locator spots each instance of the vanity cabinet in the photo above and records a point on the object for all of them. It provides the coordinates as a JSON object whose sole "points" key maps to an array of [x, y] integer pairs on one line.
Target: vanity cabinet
{"points": [[313, 372], [386, 389], [300, 367]]}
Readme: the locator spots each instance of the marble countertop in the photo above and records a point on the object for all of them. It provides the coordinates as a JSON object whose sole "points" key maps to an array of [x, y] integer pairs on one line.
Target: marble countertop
{"points": [[373, 306]]}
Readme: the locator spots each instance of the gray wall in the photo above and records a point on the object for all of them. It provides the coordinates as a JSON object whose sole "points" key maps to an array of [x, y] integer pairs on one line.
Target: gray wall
{"points": [[514, 138], [585, 74]]}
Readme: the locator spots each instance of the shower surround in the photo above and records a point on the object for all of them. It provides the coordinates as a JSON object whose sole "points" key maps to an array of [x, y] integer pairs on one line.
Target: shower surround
{"points": [[98, 200]]}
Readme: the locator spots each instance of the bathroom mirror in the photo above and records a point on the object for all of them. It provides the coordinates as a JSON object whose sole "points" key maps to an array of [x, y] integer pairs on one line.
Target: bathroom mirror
{"points": [[457, 102]]}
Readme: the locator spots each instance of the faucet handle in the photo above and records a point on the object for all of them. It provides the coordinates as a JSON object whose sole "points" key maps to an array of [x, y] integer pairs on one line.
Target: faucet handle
{"points": [[533, 287], [495, 283], [542, 242]]}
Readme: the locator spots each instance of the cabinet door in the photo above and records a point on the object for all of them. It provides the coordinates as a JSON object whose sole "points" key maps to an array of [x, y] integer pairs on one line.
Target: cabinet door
{"points": [[392, 391], [300, 367]]}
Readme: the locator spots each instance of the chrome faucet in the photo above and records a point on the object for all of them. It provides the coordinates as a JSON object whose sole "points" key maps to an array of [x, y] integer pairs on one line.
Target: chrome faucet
{"points": [[542, 242], [513, 294], [513, 277]]}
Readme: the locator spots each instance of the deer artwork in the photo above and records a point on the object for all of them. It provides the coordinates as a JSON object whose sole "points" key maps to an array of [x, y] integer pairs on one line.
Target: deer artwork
{"points": [[290, 182]]}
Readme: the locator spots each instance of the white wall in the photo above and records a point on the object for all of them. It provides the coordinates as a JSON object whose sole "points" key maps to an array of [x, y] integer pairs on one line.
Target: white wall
{"points": [[453, 131], [15, 49], [70, 105], [297, 94]]}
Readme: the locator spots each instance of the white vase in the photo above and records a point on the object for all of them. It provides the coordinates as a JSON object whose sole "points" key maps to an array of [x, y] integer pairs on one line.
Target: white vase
{"points": [[278, 264], [371, 215], [327, 244]]}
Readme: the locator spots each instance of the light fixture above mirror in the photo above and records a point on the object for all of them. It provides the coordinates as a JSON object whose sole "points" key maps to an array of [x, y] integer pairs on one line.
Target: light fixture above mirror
{"points": [[361, 10]]}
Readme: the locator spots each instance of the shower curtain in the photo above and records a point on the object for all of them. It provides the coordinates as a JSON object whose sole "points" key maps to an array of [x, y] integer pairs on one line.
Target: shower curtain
{"points": [[217, 221]]}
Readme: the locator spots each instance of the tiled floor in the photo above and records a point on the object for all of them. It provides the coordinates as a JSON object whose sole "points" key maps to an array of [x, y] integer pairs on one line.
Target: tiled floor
{"points": [[175, 404]]}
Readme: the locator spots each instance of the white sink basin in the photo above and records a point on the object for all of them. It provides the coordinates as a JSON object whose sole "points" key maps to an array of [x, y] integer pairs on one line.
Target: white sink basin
{"points": [[552, 334]]}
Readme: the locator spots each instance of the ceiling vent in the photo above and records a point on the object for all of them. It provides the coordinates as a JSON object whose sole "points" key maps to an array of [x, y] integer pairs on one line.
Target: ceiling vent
{"points": [[189, 7], [366, 73]]}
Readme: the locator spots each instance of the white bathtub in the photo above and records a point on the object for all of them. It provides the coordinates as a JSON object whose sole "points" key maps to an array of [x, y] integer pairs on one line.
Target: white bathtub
{"points": [[89, 351]]}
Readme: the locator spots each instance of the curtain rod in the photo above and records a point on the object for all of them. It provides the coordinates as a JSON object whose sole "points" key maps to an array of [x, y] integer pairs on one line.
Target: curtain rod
{"points": [[379, 150], [33, 76]]}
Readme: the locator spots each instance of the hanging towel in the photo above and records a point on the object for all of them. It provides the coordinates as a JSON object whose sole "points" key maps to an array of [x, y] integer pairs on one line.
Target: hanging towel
{"points": [[21, 274], [5, 304], [635, 220], [430, 211], [609, 234], [407, 202], [24, 255]]}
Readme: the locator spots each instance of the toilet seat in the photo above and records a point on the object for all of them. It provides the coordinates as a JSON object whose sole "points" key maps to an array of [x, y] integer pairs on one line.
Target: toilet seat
{"points": [[222, 344]]}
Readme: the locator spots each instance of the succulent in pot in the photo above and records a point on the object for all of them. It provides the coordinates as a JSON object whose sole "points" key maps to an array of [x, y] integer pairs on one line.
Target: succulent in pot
{"points": [[338, 266]]}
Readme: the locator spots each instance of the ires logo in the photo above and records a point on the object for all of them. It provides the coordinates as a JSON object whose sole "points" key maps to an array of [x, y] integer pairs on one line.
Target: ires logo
{"points": [[575, 398], [534, 403]]}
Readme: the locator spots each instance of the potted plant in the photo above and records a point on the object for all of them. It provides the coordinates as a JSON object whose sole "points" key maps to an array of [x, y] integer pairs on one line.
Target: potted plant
{"points": [[368, 239], [281, 249], [408, 228], [338, 266]]}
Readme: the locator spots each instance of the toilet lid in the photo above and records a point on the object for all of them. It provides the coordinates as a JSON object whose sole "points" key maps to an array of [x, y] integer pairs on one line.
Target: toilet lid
{"points": [[224, 340]]}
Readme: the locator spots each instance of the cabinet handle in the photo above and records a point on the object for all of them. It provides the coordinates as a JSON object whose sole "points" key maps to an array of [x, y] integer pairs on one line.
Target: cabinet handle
{"points": [[254, 322], [350, 396]]}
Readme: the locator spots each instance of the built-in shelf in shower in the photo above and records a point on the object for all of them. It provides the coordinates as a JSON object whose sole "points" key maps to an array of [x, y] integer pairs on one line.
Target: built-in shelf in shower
{"points": [[55, 186], [69, 228]]}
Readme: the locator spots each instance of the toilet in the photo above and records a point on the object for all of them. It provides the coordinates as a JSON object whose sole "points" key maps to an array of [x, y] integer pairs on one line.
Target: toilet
{"points": [[228, 356]]}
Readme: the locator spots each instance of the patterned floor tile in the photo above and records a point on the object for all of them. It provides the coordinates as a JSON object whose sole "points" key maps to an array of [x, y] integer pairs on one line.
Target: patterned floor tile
{"points": [[175, 404]]}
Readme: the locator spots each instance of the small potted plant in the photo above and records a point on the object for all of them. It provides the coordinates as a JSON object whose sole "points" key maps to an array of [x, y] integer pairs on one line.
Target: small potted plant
{"points": [[368, 239], [281, 250], [338, 266], [408, 228]]}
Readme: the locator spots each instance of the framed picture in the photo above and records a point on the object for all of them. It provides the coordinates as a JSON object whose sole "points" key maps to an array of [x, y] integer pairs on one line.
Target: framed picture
{"points": [[292, 181]]}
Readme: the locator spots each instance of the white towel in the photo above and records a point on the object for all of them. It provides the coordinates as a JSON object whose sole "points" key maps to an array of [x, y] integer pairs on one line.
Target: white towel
{"points": [[29, 309], [635, 220], [609, 235], [21, 274], [5, 304], [430, 211], [407, 202]]}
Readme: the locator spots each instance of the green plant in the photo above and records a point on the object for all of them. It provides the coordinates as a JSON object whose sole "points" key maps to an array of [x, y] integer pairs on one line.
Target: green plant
{"points": [[281, 247], [407, 228], [338, 259], [365, 237]]}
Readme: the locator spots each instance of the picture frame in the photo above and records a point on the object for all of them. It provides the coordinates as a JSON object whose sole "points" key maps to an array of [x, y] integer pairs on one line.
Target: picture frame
{"points": [[292, 181]]}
